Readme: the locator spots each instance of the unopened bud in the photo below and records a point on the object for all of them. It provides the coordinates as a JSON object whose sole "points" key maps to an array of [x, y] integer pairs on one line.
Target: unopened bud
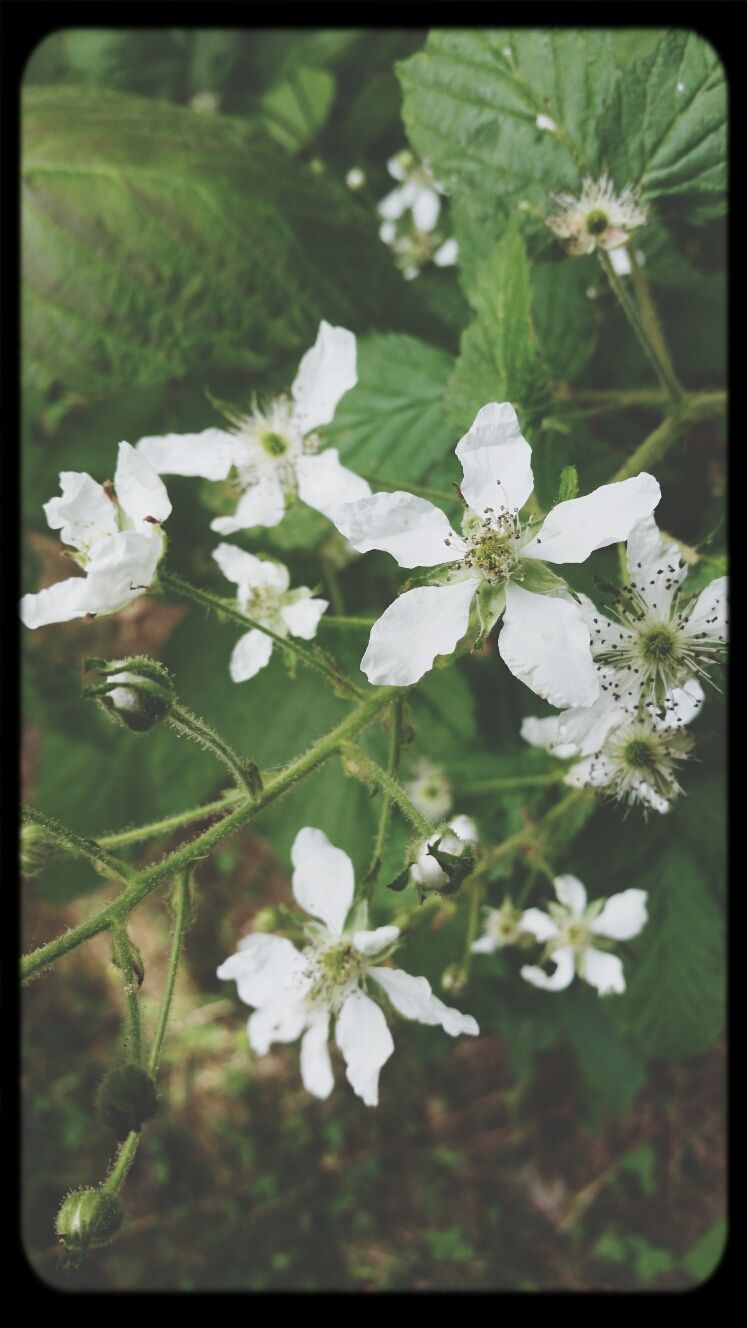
{"points": [[137, 692], [268, 919], [88, 1218], [126, 1098], [454, 978], [36, 849]]}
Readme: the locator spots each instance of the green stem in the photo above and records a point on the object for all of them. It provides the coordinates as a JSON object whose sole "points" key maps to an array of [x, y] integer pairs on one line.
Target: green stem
{"points": [[316, 660], [164, 827], [665, 374], [334, 589], [617, 398], [33, 964], [125, 1158], [244, 773], [475, 891], [649, 316], [696, 407], [104, 863], [374, 772], [123, 958], [530, 837], [346, 623], [395, 745], [180, 906], [515, 782]]}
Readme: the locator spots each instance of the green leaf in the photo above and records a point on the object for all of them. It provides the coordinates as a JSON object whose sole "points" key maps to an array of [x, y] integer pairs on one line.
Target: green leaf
{"points": [[564, 316], [611, 1067], [498, 358], [158, 242], [295, 111], [471, 101], [705, 1256], [664, 130], [568, 487], [674, 1002]]}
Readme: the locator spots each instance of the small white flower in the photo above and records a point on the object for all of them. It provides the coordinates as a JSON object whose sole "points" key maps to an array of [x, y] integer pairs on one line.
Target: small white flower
{"points": [[599, 219], [264, 595], [430, 790], [355, 178], [501, 927], [425, 871], [117, 539], [545, 641], [296, 992], [572, 930], [275, 449], [418, 192], [544, 122]]}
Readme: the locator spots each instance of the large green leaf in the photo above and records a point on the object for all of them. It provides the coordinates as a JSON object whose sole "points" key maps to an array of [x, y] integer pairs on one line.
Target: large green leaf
{"points": [[295, 111], [157, 242], [472, 100], [674, 1003], [499, 359], [664, 129], [564, 316]]}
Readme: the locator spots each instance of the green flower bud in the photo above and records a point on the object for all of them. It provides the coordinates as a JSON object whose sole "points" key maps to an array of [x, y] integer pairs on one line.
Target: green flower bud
{"points": [[125, 1099], [268, 919], [137, 692], [88, 1218], [36, 849], [455, 866]]}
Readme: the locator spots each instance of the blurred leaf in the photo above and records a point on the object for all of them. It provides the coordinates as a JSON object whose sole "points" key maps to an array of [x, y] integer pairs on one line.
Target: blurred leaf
{"points": [[295, 111], [158, 242], [564, 316], [610, 1066], [705, 1256]]}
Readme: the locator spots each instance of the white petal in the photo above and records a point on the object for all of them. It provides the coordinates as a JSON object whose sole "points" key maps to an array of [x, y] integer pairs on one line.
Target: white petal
{"points": [[603, 971], [539, 924], [425, 208], [58, 603], [387, 231], [572, 893], [209, 454], [413, 998], [584, 728], [594, 771], [420, 625], [372, 942], [326, 485], [654, 566], [262, 505], [366, 1044], [447, 254], [620, 260], [249, 572], [250, 654], [121, 568], [465, 828], [396, 168], [682, 704], [83, 514], [325, 374], [650, 798], [140, 491], [496, 459], [282, 1020], [316, 1067], [265, 967], [302, 617], [709, 614], [623, 916], [546, 733], [393, 204], [545, 643], [486, 945], [323, 880], [561, 978], [574, 529], [411, 529]]}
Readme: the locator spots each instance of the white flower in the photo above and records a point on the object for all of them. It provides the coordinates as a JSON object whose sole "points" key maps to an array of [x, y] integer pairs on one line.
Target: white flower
{"points": [[263, 594], [418, 192], [430, 790], [117, 539], [355, 178], [599, 219], [545, 641], [572, 930], [297, 992], [501, 927], [275, 448], [425, 871]]}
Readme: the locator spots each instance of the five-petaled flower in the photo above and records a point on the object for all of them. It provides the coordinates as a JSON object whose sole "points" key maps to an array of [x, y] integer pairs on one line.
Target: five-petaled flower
{"points": [[572, 931], [430, 790], [275, 448], [599, 219], [495, 561], [116, 537], [263, 594], [297, 992]]}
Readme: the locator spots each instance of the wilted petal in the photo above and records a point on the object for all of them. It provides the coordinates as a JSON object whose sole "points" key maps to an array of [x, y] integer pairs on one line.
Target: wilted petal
{"points": [[623, 916], [411, 529], [373, 942], [323, 881], [574, 529], [264, 967], [262, 505], [58, 603], [121, 568], [413, 998], [326, 485], [571, 893], [250, 654], [325, 374], [545, 643], [420, 625], [496, 459], [302, 617], [83, 514], [603, 971], [316, 1067], [561, 978], [539, 924], [366, 1044], [209, 454], [140, 491]]}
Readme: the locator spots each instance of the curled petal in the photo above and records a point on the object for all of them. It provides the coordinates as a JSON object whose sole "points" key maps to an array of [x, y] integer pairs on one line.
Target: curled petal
{"points": [[250, 654], [323, 879], [545, 643], [497, 461], [209, 455], [366, 1044], [410, 528], [58, 603], [574, 529], [83, 514], [316, 1067], [326, 485], [603, 971], [420, 625], [140, 491], [623, 916], [561, 978], [326, 372], [413, 998]]}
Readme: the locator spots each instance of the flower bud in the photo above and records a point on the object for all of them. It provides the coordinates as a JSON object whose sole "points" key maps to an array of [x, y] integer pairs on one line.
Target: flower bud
{"points": [[456, 858], [125, 1099], [36, 849], [137, 692], [454, 978], [87, 1218], [268, 919]]}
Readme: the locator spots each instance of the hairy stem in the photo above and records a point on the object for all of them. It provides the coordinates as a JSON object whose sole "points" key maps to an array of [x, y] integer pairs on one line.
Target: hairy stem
{"points": [[395, 744], [154, 829], [372, 771], [102, 861], [123, 959], [662, 368], [180, 904], [244, 773]]}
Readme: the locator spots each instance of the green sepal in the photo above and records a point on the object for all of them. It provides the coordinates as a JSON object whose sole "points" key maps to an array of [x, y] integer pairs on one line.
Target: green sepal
{"points": [[538, 578], [87, 1218], [490, 602], [400, 882], [125, 1099], [135, 958], [456, 867], [568, 486]]}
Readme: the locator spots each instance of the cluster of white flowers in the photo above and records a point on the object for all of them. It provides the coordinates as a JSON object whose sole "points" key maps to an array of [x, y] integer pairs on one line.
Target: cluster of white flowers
{"points": [[410, 215]]}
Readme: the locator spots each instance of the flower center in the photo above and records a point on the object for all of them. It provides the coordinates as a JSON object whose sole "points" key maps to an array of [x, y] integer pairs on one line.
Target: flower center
{"points": [[337, 969], [597, 222], [493, 552], [640, 753], [658, 645], [274, 444], [576, 934]]}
